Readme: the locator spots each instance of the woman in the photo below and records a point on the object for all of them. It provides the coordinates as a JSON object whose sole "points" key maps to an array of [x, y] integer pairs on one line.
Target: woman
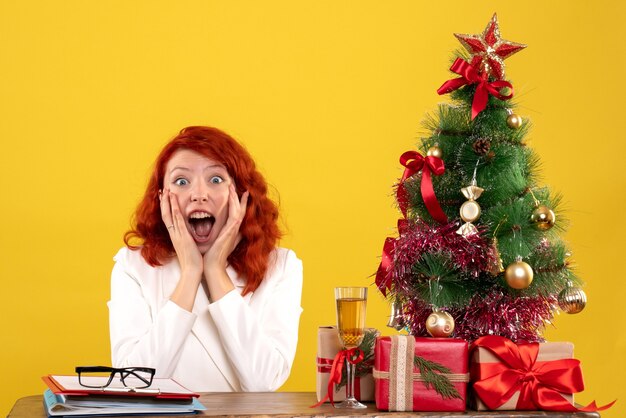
{"points": [[207, 299]]}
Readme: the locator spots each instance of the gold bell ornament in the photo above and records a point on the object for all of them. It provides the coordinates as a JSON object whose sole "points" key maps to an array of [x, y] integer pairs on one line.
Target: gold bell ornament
{"points": [[396, 319], [440, 324], [513, 121], [572, 299], [518, 275]]}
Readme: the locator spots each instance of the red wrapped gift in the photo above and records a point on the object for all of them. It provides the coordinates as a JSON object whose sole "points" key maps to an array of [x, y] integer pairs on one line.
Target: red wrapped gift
{"points": [[328, 345], [403, 386], [532, 376]]}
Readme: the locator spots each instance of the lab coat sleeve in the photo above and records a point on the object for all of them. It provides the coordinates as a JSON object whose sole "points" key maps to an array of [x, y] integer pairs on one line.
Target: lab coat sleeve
{"points": [[144, 331], [261, 342]]}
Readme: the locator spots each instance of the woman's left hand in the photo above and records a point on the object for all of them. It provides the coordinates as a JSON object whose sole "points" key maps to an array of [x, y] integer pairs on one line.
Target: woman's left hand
{"points": [[215, 259]]}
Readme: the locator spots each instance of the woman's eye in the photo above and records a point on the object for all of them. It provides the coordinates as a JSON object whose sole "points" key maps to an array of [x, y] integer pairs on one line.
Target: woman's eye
{"points": [[181, 182], [216, 180]]}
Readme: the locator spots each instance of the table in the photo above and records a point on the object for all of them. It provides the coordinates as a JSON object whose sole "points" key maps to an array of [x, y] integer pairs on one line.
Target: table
{"points": [[295, 404]]}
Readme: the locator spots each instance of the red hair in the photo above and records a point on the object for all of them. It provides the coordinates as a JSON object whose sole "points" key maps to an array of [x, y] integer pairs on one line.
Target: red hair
{"points": [[259, 229]]}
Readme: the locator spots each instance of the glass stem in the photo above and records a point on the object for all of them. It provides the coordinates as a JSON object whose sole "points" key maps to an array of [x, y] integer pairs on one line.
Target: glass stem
{"points": [[350, 369]]}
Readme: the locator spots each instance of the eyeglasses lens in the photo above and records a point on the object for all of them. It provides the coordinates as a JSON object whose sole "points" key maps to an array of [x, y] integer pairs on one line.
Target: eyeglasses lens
{"points": [[137, 377]]}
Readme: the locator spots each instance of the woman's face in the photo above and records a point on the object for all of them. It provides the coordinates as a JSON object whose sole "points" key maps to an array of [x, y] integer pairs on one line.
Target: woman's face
{"points": [[200, 186]]}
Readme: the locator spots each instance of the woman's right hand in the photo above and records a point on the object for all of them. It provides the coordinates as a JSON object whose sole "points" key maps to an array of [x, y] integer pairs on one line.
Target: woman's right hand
{"points": [[189, 256]]}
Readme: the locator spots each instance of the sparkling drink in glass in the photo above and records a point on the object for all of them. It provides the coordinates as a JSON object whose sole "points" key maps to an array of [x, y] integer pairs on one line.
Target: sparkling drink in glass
{"points": [[351, 307]]}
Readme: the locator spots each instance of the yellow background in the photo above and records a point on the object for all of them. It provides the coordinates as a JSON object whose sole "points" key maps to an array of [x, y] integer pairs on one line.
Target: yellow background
{"points": [[326, 95]]}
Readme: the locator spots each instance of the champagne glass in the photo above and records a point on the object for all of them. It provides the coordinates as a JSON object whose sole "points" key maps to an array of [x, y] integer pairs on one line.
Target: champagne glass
{"points": [[351, 303]]}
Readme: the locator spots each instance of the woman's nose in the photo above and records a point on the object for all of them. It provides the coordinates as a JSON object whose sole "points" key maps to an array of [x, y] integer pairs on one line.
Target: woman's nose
{"points": [[199, 194]]}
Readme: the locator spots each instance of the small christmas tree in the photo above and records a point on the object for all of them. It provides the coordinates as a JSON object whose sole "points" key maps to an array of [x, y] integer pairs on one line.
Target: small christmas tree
{"points": [[478, 250]]}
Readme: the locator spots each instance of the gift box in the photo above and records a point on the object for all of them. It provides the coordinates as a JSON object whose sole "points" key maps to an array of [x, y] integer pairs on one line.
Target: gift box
{"points": [[328, 345], [509, 376], [420, 374]]}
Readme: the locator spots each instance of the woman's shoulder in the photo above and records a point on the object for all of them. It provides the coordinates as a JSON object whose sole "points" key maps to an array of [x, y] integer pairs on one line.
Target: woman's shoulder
{"points": [[129, 263], [132, 262], [127, 256], [282, 256], [284, 260]]}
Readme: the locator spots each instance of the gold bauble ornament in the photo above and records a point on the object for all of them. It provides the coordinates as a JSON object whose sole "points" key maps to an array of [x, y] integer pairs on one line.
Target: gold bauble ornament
{"points": [[514, 121], [518, 275], [543, 218], [572, 300], [440, 324], [435, 151]]}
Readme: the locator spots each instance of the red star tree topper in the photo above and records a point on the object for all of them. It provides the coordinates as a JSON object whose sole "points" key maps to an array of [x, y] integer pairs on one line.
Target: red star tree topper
{"points": [[489, 50]]}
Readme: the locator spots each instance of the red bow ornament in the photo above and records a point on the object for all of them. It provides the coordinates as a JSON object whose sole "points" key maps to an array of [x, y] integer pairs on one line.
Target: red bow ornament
{"points": [[384, 273], [470, 75], [541, 384], [414, 163]]}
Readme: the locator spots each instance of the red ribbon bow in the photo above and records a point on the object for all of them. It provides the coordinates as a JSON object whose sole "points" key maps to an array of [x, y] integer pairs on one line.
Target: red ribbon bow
{"points": [[384, 272], [414, 162], [470, 75], [540, 383], [352, 355], [324, 365]]}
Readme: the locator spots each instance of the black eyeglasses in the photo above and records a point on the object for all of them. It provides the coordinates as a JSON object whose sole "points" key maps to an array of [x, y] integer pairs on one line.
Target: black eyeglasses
{"points": [[100, 377]]}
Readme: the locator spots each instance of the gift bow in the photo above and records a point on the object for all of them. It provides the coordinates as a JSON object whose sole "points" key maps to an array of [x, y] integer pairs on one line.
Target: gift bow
{"points": [[352, 355], [324, 365], [414, 162], [469, 75], [540, 383]]}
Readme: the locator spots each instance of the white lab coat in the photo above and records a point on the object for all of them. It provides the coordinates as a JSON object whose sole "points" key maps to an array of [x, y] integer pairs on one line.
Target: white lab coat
{"points": [[235, 344]]}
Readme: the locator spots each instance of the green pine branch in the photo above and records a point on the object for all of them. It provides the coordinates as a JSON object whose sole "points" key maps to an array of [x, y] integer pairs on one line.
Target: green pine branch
{"points": [[367, 346], [439, 283], [434, 376], [552, 267]]}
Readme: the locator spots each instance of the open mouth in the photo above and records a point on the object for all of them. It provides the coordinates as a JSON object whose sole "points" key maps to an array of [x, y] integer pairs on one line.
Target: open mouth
{"points": [[201, 224]]}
